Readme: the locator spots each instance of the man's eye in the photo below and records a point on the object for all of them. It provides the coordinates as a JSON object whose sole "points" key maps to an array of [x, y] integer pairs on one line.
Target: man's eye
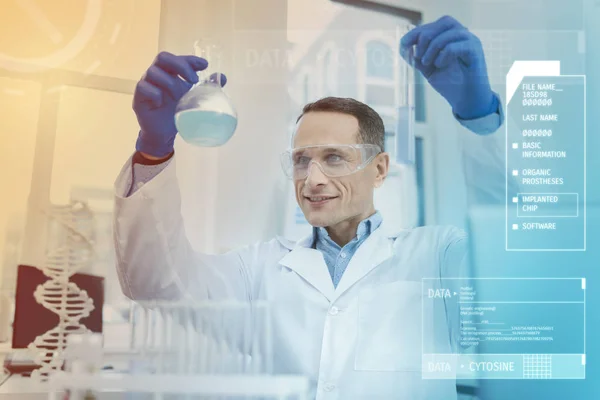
{"points": [[334, 158], [301, 160]]}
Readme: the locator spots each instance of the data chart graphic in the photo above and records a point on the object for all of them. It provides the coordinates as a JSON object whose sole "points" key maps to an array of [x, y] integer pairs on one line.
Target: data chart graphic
{"points": [[504, 328]]}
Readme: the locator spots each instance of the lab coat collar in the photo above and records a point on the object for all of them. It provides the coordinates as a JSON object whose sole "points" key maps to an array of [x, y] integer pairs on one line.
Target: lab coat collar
{"points": [[376, 249], [310, 264]]}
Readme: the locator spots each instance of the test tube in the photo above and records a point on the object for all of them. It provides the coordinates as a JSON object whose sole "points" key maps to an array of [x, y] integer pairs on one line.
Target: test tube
{"points": [[405, 120]]}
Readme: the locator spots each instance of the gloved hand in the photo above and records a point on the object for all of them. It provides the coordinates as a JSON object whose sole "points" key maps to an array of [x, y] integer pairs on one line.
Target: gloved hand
{"points": [[451, 59], [156, 96]]}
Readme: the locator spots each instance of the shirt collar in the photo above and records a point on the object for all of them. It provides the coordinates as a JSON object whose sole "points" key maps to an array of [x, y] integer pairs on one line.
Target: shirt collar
{"points": [[364, 229]]}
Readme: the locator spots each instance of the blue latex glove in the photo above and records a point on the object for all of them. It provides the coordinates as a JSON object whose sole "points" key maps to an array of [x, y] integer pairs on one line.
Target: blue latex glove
{"points": [[451, 59], [156, 96]]}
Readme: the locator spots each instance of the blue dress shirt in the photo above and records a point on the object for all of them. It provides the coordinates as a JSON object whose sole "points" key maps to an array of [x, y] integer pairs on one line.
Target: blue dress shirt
{"points": [[336, 257]]}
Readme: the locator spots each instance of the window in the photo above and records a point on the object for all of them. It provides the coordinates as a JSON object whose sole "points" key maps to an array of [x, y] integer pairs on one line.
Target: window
{"points": [[385, 82], [304, 84], [328, 72], [380, 60], [377, 77], [378, 81]]}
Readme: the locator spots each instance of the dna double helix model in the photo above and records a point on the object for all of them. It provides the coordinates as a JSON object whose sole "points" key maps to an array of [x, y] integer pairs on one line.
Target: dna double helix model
{"points": [[71, 249]]}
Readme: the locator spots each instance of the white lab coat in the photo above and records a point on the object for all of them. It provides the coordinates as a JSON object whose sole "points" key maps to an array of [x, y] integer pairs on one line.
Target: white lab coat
{"points": [[361, 340]]}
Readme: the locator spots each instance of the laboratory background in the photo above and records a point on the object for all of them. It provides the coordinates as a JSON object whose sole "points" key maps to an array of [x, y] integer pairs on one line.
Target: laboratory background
{"points": [[67, 128]]}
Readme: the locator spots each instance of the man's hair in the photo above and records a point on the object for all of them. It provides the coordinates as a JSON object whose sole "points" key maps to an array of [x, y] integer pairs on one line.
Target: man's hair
{"points": [[370, 125]]}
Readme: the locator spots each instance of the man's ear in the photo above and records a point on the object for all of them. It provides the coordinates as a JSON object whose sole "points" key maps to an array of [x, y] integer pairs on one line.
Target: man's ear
{"points": [[382, 163]]}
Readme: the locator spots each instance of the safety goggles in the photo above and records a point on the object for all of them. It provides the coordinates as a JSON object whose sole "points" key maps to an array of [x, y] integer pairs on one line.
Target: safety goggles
{"points": [[334, 160]]}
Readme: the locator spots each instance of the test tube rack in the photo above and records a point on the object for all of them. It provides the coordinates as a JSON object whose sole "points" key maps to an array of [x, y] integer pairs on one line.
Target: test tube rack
{"points": [[219, 349]]}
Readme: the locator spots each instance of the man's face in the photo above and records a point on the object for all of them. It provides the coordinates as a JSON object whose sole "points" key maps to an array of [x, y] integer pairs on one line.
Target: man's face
{"points": [[349, 196]]}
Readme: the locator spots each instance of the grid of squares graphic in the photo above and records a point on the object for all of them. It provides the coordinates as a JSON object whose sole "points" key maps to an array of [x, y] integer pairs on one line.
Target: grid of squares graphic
{"points": [[537, 366], [498, 53]]}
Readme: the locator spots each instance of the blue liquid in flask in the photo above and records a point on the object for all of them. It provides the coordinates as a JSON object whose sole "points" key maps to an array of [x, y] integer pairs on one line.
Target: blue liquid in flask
{"points": [[205, 116], [205, 128]]}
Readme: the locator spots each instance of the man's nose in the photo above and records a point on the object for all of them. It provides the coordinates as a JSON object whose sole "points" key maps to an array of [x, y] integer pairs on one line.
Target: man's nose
{"points": [[315, 175]]}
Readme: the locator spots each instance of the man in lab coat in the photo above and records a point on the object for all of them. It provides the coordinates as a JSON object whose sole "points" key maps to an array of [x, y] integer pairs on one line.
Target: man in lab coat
{"points": [[346, 299]]}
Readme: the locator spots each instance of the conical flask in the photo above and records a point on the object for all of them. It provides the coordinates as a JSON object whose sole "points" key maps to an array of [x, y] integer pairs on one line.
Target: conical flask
{"points": [[205, 115]]}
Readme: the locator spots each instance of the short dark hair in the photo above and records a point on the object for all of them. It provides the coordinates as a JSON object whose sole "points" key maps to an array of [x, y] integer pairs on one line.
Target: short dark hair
{"points": [[370, 125]]}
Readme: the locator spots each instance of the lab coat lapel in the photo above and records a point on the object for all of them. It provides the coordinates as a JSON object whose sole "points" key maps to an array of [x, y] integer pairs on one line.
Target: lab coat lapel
{"points": [[310, 265], [376, 249]]}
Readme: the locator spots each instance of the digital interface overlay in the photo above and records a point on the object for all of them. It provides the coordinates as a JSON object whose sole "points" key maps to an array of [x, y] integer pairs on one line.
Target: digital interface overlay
{"points": [[545, 158], [509, 328]]}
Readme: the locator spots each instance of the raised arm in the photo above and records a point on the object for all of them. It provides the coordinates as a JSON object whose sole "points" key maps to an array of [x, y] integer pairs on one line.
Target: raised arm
{"points": [[452, 60], [155, 260]]}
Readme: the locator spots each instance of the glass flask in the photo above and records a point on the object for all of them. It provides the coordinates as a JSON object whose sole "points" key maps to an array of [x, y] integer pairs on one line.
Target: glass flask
{"points": [[205, 115], [405, 127]]}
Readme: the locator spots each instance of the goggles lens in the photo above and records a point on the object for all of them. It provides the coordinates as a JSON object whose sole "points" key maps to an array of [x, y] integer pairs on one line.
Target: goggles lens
{"points": [[333, 160]]}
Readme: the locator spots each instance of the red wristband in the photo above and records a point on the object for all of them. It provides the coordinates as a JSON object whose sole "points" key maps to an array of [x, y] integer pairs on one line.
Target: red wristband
{"points": [[138, 158]]}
